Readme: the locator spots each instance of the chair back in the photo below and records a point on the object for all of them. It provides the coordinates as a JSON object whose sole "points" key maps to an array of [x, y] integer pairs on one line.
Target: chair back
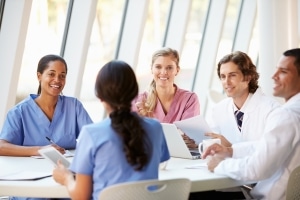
{"points": [[175, 189], [293, 186]]}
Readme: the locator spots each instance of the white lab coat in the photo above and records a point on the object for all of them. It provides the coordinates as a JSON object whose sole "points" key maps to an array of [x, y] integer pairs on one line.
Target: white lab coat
{"points": [[273, 157], [256, 112]]}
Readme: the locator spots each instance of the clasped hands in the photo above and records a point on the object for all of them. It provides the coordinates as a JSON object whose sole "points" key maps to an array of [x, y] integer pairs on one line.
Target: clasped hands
{"points": [[215, 154]]}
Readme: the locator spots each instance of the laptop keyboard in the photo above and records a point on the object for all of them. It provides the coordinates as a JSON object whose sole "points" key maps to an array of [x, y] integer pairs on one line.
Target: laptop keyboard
{"points": [[195, 153]]}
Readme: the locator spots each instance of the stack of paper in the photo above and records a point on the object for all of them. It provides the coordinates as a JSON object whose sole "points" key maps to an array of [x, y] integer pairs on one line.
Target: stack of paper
{"points": [[25, 175], [194, 127]]}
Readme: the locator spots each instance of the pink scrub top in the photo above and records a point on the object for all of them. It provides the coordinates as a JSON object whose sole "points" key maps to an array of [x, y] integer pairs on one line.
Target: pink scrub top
{"points": [[185, 105]]}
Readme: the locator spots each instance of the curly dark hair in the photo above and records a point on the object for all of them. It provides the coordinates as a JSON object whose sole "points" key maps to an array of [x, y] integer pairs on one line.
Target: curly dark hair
{"points": [[116, 85], [244, 63]]}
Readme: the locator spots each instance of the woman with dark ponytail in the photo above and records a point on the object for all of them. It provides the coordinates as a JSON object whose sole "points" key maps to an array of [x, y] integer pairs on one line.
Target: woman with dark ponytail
{"points": [[123, 147]]}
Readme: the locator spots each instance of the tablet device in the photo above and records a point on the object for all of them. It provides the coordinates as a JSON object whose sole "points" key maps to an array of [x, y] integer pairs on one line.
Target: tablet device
{"points": [[53, 155]]}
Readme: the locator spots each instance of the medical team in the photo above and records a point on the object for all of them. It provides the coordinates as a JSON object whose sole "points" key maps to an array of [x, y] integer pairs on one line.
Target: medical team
{"points": [[63, 119]]}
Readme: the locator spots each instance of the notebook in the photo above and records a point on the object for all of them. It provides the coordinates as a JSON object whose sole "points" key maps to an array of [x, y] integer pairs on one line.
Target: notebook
{"points": [[176, 144]]}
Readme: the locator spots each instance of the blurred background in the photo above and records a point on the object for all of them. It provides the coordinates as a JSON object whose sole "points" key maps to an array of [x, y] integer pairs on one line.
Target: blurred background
{"points": [[89, 33]]}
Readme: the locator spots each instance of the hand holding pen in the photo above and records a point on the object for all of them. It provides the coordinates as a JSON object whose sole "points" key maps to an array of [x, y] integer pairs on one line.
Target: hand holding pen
{"points": [[60, 149]]}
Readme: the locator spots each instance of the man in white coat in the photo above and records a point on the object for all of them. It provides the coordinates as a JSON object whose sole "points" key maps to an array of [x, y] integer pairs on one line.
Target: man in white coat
{"points": [[270, 160], [239, 79]]}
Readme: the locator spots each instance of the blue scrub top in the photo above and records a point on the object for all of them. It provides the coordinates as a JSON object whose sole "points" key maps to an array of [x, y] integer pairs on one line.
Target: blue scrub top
{"points": [[99, 153], [27, 125]]}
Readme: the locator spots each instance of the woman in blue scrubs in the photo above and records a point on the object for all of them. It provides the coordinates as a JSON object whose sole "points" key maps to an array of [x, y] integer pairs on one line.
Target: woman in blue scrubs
{"points": [[45, 114], [123, 147]]}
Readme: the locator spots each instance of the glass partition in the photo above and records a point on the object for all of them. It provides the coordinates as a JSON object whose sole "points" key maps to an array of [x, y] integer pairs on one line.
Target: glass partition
{"points": [[152, 39], [192, 43], [103, 43], [2, 2], [227, 37], [44, 36]]}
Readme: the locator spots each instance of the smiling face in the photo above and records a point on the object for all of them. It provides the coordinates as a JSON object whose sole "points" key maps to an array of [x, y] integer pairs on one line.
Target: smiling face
{"points": [[234, 83], [53, 78], [286, 78], [164, 70]]}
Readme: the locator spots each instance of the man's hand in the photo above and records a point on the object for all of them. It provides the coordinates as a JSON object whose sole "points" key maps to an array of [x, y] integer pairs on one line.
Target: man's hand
{"points": [[190, 143], [219, 150], [224, 141], [213, 162]]}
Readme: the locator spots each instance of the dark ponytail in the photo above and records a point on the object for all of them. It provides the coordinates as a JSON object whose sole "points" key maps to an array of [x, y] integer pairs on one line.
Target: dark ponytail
{"points": [[117, 86]]}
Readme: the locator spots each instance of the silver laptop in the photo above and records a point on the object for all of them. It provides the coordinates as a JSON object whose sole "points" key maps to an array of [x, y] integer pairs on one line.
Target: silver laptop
{"points": [[176, 144]]}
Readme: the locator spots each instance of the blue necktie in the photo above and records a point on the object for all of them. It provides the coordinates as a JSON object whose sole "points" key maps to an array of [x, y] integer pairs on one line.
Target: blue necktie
{"points": [[239, 118]]}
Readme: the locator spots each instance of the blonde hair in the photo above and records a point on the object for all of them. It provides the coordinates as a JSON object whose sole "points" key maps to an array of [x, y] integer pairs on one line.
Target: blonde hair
{"points": [[151, 100]]}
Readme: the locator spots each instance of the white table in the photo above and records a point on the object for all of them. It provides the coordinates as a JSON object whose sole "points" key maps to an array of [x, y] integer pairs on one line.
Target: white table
{"points": [[202, 179], [46, 187]]}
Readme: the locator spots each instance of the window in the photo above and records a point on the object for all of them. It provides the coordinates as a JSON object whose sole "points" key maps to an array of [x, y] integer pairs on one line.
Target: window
{"points": [[44, 36], [103, 43]]}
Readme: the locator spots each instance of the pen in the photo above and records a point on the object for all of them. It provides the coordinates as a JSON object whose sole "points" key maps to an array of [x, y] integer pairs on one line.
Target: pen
{"points": [[51, 141]]}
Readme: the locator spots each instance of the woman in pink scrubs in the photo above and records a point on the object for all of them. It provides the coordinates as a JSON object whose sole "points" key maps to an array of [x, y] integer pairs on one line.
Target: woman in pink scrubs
{"points": [[165, 101]]}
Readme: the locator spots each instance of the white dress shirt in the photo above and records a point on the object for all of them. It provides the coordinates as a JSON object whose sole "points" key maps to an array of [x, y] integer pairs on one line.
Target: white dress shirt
{"points": [[270, 160], [256, 110]]}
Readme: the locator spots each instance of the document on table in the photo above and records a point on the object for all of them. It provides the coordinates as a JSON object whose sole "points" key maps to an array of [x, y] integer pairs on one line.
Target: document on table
{"points": [[67, 155], [194, 127], [197, 166], [25, 175]]}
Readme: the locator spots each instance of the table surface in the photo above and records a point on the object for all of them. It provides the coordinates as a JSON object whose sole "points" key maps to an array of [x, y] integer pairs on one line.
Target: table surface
{"points": [[202, 179]]}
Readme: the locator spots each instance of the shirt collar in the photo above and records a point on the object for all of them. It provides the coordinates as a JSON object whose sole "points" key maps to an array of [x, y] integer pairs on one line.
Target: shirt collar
{"points": [[245, 105]]}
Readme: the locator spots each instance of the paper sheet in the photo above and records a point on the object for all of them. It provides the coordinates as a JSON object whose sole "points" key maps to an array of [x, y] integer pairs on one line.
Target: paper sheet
{"points": [[197, 166], [25, 175], [67, 155], [194, 127]]}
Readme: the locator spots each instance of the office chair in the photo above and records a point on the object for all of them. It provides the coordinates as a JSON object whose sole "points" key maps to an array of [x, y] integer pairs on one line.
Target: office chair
{"points": [[293, 186], [175, 189]]}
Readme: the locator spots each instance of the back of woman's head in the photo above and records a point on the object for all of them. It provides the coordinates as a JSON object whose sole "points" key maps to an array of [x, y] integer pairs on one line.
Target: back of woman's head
{"points": [[117, 86], [44, 64], [245, 65]]}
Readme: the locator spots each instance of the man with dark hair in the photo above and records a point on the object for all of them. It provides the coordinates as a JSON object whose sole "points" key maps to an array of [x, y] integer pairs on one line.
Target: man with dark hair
{"points": [[241, 116], [271, 159]]}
